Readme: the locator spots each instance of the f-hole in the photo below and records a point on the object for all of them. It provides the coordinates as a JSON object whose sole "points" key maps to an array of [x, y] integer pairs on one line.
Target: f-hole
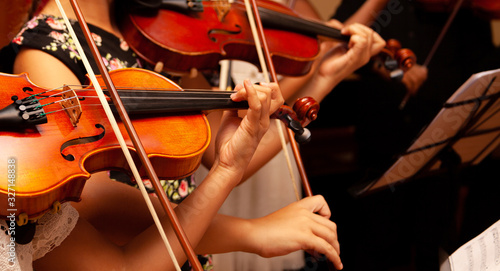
{"points": [[81, 140], [212, 32]]}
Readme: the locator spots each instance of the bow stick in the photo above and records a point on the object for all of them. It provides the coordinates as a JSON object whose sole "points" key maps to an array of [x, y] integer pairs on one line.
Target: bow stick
{"points": [[443, 32], [263, 51], [133, 136], [436, 44]]}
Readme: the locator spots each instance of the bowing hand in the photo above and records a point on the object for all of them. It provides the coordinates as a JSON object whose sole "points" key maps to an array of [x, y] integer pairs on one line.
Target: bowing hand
{"points": [[414, 78], [302, 225]]}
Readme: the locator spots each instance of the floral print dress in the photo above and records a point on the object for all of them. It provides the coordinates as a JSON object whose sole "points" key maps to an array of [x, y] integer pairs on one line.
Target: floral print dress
{"points": [[49, 34]]}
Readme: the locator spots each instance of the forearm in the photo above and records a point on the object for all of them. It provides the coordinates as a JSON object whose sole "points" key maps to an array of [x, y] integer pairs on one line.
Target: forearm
{"points": [[320, 84], [197, 210], [269, 147], [226, 234], [195, 214], [293, 87], [302, 225], [367, 13]]}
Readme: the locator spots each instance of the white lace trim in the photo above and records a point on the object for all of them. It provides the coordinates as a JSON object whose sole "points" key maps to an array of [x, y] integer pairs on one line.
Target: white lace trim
{"points": [[51, 230]]}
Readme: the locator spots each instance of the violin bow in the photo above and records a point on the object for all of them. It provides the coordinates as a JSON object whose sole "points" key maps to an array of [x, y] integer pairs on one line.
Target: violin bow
{"points": [[133, 136], [263, 51], [436, 44], [443, 32]]}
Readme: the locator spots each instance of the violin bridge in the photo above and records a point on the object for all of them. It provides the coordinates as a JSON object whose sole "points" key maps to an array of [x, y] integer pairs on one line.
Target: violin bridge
{"points": [[222, 8], [71, 104]]}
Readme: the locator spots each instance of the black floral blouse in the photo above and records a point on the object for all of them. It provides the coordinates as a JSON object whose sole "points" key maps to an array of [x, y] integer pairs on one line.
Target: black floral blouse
{"points": [[49, 34]]}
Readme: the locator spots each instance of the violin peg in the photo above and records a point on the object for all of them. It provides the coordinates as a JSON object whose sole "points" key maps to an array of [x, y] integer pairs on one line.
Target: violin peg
{"points": [[193, 73], [158, 67], [393, 45], [397, 74], [22, 219], [56, 207]]}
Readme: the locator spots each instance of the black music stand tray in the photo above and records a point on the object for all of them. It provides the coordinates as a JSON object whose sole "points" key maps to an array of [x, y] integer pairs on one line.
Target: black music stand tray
{"points": [[462, 134]]}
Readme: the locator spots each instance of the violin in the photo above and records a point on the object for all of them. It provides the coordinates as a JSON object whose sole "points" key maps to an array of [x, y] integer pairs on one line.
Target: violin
{"points": [[156, 31], [488, 9], [69, 128], [221, 31]]}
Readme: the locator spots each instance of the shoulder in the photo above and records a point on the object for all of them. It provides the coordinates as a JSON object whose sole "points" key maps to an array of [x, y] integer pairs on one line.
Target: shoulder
{"points": [[43, 69]]}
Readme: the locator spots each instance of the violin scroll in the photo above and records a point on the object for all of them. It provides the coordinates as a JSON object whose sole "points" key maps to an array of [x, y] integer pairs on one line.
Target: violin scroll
{"points": [[395, 59], [307, 109], [406, 58], [304, 111]]}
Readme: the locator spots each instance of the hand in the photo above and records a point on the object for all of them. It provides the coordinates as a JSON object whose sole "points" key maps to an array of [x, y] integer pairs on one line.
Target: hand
{"points": [[414, 78], [363, 44], [238, 138], [302, 225]]}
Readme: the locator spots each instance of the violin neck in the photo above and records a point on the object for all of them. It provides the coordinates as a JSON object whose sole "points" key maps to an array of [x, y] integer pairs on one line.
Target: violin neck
{"points": [[182, 5], [277, 20], [270, 18], [164, 102]]}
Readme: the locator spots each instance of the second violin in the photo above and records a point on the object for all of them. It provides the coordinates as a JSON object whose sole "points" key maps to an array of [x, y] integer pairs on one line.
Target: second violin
{"points": [[220, 30]]}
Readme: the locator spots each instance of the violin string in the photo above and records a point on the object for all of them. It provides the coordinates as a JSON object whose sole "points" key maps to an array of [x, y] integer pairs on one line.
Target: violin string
{"points": [[174, 98], [55, 111], [198, 90], [49, 90], [40, 93], [215, 99], [185, 90], [225, 94], [54, 102], [78, 88], [183, 95], [54, 95], [160, 98]]}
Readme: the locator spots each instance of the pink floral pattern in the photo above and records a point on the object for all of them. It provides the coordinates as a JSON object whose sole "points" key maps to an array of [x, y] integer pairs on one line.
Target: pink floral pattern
{"points": [[61, 40], [56, 24]]}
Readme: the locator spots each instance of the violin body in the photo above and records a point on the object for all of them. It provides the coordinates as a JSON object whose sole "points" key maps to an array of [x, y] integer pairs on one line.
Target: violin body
{"points": [[220, 31], [49, 163]]}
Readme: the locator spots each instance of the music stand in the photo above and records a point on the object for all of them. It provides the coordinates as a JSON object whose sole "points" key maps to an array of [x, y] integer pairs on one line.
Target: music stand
{"points": [[462, 134]]}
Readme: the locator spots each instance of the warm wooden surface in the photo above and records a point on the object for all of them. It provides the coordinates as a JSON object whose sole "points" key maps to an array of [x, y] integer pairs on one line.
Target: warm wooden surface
{"points": [[12, 16]]}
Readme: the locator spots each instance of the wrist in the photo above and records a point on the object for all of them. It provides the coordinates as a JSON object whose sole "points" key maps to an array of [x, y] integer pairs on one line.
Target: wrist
{"points": [[322, 84], [251, 237], [223, 172]]}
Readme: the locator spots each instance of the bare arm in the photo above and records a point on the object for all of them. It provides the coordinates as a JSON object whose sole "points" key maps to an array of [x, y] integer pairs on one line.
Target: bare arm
{"points": [[367, 13]]}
